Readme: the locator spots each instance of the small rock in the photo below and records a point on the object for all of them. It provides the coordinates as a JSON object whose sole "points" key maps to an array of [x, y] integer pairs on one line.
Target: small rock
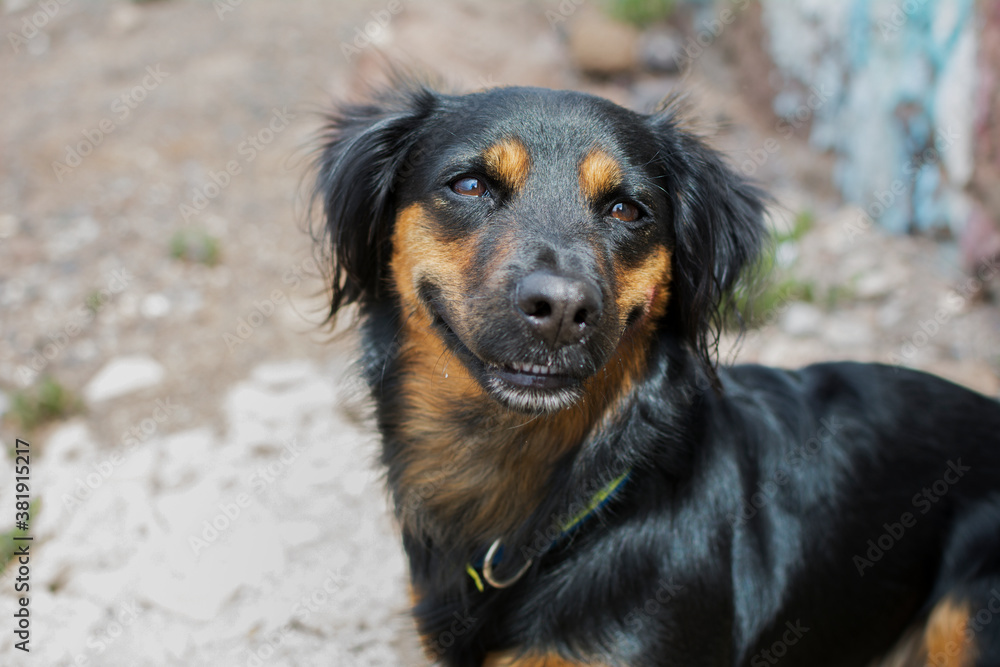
{"points": [[602, 46], [123, 375], [154, 306], [875, 285], [801, 319], [69, 442], [200, 586]]}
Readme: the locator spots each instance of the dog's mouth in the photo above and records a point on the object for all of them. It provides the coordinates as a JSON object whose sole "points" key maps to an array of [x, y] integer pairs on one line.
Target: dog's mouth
{"points": [[521, 385]]}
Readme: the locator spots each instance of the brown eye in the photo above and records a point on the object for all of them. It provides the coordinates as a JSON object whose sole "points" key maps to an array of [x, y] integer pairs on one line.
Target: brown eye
{"points": [[469, 187], [625, 211]]}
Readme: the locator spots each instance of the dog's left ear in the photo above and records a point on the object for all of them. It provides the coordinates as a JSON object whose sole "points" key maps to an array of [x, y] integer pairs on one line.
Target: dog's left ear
{"points": [[365, 152], [719, 233]]}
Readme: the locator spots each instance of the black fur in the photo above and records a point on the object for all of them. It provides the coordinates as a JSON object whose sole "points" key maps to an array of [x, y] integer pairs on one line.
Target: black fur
{"points": [[755, 521]]}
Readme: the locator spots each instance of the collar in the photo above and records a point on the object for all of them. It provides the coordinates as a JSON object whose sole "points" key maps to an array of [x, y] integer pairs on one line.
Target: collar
{"points": [[494, 555]]}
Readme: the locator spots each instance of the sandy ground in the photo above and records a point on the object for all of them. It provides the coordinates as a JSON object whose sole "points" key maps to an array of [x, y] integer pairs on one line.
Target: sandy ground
{"points": [[217, 501]]}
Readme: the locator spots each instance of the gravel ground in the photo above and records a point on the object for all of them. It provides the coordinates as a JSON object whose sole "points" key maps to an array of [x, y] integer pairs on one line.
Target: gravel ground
{"points": [[216, 502]]}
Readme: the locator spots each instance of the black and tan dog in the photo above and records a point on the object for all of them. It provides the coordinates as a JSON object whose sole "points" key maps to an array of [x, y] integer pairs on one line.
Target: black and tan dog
{"points": [[540, 277]]}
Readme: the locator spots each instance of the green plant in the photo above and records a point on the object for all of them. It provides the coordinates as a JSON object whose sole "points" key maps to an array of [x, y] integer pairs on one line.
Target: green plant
{"points": [[641, 12], [195, 245], [8, 546], [803, 222], [46, 402]]}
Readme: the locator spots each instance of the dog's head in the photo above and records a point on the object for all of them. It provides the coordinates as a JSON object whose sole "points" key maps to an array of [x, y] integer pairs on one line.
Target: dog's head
{"points": [[533, 233]]}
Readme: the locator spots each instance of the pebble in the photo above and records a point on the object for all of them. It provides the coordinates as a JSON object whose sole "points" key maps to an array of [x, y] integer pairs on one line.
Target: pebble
{"points": [[154, 306], [124, 375]]}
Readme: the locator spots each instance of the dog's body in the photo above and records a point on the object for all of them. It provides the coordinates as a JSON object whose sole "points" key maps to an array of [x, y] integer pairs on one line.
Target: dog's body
{"points": [[540, 275]]}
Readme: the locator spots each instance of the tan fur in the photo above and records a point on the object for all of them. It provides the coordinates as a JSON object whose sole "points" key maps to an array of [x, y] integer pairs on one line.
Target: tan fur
{"points": [[551, 660], [509, 162], [946, 642], [490, 479], [599, 173]]}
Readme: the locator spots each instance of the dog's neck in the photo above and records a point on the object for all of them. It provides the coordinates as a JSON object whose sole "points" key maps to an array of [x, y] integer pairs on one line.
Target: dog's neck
{"points": [[464, 470]]}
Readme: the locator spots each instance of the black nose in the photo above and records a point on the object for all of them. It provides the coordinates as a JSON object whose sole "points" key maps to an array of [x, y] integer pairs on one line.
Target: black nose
{"points": [[559, 309]]}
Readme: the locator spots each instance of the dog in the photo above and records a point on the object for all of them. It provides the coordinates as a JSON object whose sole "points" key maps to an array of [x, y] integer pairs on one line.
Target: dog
{"points": [[540, 279]]}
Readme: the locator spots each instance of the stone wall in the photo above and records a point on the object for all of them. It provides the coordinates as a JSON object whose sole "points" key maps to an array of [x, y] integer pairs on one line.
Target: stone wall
{"points": [[892, 84]]}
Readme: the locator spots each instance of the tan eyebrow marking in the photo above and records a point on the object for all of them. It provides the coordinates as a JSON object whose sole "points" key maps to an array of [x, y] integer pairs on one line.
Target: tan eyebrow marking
{"points": [[509, 162], [599, 174]]}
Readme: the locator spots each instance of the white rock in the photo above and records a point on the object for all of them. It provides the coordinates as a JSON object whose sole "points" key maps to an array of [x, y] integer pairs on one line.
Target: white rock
{"points": [[875, 285], [801, 319], [61, 624], [123, 375], [154, 306], [69, 442], [200, 586]]}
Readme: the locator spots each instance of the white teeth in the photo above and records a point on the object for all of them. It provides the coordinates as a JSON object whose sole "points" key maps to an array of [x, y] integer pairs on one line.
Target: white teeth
{"points": [[534, 369]]}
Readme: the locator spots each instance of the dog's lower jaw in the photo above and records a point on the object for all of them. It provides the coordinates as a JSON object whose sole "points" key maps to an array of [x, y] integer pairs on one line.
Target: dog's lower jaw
{"points": [[533, 401]]}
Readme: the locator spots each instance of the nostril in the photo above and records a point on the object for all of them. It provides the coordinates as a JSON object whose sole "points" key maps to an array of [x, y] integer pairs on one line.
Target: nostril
{"points": [[540, 310], [580, 317]]}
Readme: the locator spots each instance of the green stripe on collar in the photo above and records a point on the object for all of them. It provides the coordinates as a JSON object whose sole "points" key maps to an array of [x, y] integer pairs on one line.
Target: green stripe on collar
{"points": [[597, 501]]}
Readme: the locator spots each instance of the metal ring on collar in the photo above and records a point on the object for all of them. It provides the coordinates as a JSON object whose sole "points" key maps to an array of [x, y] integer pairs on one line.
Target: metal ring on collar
{"points": [[488, 569]]}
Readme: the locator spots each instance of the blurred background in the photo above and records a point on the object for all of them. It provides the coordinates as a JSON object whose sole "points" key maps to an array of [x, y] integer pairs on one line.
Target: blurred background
{"points": [[203, 482]]}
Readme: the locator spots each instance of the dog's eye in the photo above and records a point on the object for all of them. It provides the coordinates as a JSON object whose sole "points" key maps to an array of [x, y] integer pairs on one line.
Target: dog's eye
{"points": [[469, 186], [625, 211]]}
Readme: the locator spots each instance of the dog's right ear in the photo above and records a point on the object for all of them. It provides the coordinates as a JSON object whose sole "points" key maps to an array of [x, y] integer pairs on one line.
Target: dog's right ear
{"points": [[365, 150]]}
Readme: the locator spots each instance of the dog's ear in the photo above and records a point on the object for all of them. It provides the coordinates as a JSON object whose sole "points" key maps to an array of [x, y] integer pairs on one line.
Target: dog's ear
{"points": [[718, 229], [365, 151]]}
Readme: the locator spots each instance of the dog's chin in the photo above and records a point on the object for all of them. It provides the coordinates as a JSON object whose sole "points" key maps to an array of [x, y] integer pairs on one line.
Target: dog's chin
{"points": [[532, 393]]}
